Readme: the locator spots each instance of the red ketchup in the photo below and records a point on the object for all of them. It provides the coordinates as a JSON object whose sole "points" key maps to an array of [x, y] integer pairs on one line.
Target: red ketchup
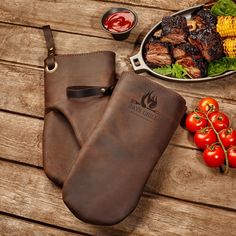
{"points": [[119, 21]]}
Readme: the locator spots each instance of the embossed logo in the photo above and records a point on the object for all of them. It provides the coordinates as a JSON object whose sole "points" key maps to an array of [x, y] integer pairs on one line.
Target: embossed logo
{"points": [[146, 107], [149, 101]]}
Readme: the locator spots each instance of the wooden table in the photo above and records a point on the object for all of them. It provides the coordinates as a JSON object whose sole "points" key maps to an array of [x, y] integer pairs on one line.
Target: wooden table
{"points": [[182, 197]]}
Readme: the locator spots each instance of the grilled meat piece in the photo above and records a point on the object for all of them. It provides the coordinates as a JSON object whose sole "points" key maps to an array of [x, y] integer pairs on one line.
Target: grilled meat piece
{"points": [[158, 54], [186, 49], [204, 18], [209, 42], [174, 29], [195, 67]]}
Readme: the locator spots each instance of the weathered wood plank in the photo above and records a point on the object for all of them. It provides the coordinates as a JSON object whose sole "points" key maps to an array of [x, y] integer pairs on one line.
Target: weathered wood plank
{"points": [[180, 173], [10, 226], [13, 125], [22, 91], [163, 4], [27, 45], [21, 138], [81, 16], [25, 191], [32, 51]]}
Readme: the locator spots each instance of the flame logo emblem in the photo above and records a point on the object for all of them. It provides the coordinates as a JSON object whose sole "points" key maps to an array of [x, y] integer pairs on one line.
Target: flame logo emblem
{"points": [[145, 107], [149, 101]]}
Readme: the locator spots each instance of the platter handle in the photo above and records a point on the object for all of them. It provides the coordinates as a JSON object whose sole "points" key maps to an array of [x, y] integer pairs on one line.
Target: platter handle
{"points": [[137, 62]]}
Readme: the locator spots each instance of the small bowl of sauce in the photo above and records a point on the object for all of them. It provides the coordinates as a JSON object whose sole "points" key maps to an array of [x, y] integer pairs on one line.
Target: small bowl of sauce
{"points": [[119, 22]]}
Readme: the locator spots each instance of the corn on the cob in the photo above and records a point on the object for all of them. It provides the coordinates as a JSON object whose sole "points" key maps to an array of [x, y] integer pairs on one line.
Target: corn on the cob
{"points": [[230, 47], [226, 26]]}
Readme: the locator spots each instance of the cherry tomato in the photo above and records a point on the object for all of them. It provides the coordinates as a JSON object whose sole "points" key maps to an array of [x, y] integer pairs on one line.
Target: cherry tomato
{"points": [[232, 156], [208, 105], [214, 156], [205, 137], [219, 120], [228, 137], [195, 121]]}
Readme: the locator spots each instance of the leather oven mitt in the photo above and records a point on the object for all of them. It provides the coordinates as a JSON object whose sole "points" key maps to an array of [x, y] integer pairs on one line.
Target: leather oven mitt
{"points": [[70, 121], [107, 180]]}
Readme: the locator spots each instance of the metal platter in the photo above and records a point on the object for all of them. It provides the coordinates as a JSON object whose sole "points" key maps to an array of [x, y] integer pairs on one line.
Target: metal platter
{"points": [[138, 61]]}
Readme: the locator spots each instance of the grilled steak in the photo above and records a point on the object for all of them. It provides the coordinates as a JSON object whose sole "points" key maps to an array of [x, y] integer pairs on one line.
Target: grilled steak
{"points": [[204, 18], [209, 42], [158, 54], [174, 29], [186, 49], [195, 67]]}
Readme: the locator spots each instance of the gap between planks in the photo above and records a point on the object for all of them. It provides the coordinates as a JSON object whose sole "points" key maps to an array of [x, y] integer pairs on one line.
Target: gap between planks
{"points": [[183, 92], [34, 55], [11, 223], [168, 4], [29, 194], [38, 13], [182, 172], [146, 193]]}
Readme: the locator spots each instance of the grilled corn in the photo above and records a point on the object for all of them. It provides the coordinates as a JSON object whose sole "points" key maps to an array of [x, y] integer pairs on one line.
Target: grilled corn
{"points": [[226, 26], [230, 47]]}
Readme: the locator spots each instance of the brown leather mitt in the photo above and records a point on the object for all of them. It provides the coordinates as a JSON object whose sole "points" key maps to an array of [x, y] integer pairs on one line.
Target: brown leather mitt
{"points": [[107, 180], [69, 121]]}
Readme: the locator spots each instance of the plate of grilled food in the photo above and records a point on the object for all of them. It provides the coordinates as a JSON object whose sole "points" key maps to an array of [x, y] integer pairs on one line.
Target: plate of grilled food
{"points": [[195, 44]]}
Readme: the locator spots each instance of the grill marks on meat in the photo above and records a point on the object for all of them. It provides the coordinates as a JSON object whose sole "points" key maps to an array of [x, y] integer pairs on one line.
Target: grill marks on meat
{"points": [[204, 18], [174, 42], [186, 49], [158, 54], [190, 58], [174, 29], [195, 67], [205, 38], [209, 42]]}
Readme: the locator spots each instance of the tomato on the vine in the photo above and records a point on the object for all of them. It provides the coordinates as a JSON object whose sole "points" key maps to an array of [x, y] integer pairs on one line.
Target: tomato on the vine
{"points": [[228, 137], [205, 137], [214, 156], [208, 105], [195, 121], [219, 120], [231, 152]]}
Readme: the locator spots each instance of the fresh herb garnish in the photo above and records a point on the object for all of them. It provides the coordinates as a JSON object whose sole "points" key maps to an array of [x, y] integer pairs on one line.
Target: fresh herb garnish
{"points": [[224, 8], [221, 65], [173, 70]]}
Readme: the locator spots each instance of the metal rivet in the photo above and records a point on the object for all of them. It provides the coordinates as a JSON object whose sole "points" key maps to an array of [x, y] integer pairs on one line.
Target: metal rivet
{"points": [[103, 90], [53, 69]]}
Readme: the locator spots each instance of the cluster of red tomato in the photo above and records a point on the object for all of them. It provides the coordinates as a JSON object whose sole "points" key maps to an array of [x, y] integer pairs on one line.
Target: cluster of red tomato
{"points": [[212, 134]]}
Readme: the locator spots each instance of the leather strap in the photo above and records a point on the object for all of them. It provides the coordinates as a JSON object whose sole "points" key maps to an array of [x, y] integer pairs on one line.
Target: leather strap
{"points": [[50, 61], [88, 91]]}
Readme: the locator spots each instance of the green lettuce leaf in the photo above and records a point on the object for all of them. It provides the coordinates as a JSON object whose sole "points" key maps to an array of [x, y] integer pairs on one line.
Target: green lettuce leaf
{"points": [[221, 65], [174, 70], [224, 8]]}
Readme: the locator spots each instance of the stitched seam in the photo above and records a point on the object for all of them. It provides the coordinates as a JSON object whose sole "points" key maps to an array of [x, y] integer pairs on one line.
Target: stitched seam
{"points": [[84, 54]]}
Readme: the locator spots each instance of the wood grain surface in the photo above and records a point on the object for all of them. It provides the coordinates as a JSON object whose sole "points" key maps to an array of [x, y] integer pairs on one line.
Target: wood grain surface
{"points": [[180, 172], [164, 4], [81, 16], [33, 52], [182, 196], [11, 226], [22, 90], [26, 191]]}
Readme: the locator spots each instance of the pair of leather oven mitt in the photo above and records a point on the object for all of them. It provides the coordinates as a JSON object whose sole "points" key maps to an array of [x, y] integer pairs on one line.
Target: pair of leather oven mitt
{"points": [[103, 148]]}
